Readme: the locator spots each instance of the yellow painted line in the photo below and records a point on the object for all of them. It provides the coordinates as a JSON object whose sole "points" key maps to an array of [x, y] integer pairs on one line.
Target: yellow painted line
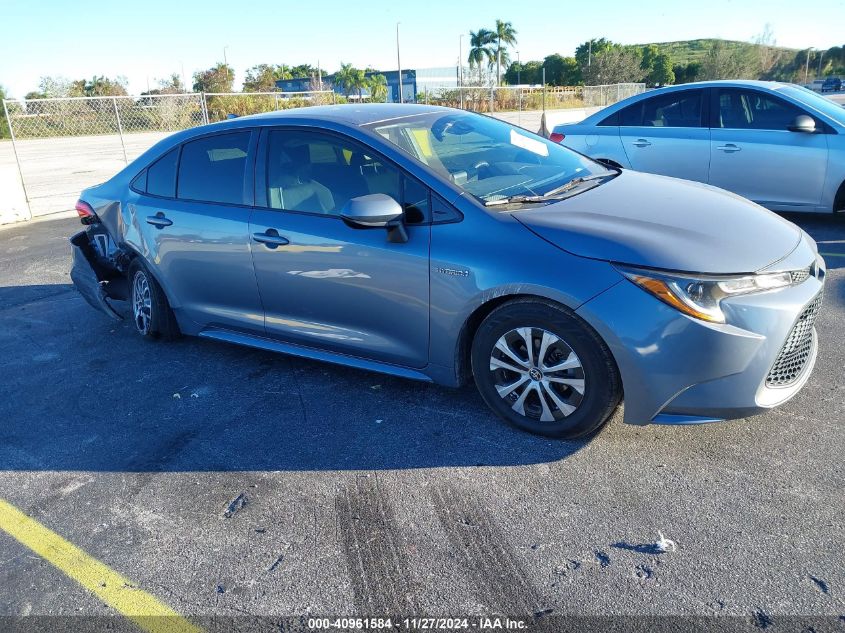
{"points": [[115, 590]]}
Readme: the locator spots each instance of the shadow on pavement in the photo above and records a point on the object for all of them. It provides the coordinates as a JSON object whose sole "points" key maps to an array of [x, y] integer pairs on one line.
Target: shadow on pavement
{"points": [[85, 393]]}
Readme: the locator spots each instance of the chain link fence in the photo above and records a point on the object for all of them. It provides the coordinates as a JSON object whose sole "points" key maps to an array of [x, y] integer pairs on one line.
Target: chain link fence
{"points": [[61, 146]]}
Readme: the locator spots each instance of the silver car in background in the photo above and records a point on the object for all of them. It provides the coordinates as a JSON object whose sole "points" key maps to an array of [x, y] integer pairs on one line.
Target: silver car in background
{"points": [[779, 145]]}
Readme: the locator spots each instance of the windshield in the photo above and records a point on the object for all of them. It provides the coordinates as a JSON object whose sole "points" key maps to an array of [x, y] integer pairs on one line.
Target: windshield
{"points": [[814, 100], [487, 158]]}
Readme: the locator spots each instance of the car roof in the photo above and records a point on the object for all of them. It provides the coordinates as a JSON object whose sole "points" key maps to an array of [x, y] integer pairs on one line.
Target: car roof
{"points": [[356, 114], [719, 83]]}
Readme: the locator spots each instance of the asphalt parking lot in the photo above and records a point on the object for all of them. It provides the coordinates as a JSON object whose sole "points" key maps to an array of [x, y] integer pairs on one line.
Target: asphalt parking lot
{"points": [[233, 482]]}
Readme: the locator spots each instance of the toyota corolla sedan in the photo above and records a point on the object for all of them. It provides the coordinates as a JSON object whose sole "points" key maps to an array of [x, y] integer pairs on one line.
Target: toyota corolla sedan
{"points": [[446, 246], [780, 145]]}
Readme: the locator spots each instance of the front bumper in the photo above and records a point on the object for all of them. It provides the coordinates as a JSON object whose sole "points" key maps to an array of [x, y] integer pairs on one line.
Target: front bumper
{"points": [[680, 370]]}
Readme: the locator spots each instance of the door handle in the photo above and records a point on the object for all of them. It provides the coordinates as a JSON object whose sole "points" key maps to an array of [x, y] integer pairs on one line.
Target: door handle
{"points": [[729, 148], [641, 142], [158, 220], [270, 238]]}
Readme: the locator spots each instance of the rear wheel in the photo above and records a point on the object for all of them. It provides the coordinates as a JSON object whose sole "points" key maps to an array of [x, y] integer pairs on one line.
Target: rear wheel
{"points": [[544, 370], [151, 312]]}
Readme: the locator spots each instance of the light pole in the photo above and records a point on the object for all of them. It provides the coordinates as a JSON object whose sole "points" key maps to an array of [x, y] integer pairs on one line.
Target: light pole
{"points": [[461, 69], [399, 63], [225, 62], [518, 70], [821, 56], [807, 64]]}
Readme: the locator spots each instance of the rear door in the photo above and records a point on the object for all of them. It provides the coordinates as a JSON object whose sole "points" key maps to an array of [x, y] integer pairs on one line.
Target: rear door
{"points": [[323, 283], [193, 218], [667, 134], [755, 155]]}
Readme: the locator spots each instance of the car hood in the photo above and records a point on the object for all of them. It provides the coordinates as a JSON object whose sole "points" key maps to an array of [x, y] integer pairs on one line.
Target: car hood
{"points": [[661, 222]]}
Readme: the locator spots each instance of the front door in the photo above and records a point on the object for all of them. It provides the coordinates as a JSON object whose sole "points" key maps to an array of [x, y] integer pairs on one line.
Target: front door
{"points": [[323, 283], [755, 155]]}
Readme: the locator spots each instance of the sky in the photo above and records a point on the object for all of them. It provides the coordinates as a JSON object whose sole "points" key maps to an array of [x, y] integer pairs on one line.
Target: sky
{"points": [[151, 39]]}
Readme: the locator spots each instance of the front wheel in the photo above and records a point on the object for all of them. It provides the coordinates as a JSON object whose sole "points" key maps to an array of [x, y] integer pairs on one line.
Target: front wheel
{"points": [[544, 370]]}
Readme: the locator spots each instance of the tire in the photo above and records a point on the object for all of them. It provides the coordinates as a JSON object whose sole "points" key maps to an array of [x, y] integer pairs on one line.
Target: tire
{"points": [[149, 309], [579, 393]]}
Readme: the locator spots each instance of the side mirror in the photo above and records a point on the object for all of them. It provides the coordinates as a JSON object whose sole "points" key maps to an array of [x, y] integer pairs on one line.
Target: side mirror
{"points": [[802, 123], [376, 210]]}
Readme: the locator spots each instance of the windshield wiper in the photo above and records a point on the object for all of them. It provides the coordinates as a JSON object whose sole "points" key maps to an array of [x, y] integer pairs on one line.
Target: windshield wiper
{"points": [[554, 194]]}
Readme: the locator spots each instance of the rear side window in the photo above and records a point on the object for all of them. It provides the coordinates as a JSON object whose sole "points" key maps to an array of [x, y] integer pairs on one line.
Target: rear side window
{"points": [[673, 109], [161, 175], [212, 169], [613, 119]]}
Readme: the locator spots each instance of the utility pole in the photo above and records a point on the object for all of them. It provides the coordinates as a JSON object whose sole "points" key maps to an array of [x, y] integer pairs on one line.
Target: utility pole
{"points": [[399, 63], [590, 54], [821, 56], [807, 65], [461, 69], [225, 62], [518, 70]]}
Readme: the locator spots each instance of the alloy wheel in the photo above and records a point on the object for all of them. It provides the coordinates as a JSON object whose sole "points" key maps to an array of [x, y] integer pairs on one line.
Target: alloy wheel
{"points": [[537, 374], [141, 302]]}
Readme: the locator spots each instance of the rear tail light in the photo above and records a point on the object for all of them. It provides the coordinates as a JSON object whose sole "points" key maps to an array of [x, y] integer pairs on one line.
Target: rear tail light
{"points": [[86, 212], [556, 137]]}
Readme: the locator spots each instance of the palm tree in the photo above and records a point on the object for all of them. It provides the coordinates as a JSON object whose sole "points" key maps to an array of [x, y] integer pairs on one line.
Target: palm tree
{"points": [[377, 85], [350, 78], [505, 33], [479, 51]]}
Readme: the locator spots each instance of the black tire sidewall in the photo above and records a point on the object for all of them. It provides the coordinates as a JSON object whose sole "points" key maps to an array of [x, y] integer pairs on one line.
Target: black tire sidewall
{"points": [[602, 387]]}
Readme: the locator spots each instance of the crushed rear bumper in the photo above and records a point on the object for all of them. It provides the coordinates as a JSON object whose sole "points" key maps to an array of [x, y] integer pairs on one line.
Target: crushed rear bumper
{"points": [[85, 278]]}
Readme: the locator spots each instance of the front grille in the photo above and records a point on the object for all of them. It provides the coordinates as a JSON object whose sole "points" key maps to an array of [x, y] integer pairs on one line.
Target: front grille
{"points": [[799, 276], [796, 350]]}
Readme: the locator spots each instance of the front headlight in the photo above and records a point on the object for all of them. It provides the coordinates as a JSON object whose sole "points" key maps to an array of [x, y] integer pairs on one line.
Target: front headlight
{"points": [[700, 296]]}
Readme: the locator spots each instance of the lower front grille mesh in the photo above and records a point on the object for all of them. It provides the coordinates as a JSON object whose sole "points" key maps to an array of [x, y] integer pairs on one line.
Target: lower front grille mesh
{"points": [[796, 350]]}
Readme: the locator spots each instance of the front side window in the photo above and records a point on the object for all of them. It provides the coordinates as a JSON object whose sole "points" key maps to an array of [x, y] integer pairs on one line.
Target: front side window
{"points": [[319, 173], [213, 168], [752, 110], [673, 109], [487, 158]]}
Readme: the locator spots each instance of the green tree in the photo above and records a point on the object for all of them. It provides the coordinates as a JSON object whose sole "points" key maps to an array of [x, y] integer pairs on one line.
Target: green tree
{"points": [[617, 64], [562, 71], [480, 50], [218, 78], [661, 73], [101, 86], [302, 71], [505, 36], [727, 61], [525, 73], [587, 51], [263, 77], [377, 85], [685, 73], [351, 79]]}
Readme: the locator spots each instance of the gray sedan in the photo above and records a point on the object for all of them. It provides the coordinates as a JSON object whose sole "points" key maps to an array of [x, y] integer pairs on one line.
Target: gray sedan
{"points": [[780, 145], [446, 246]]}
